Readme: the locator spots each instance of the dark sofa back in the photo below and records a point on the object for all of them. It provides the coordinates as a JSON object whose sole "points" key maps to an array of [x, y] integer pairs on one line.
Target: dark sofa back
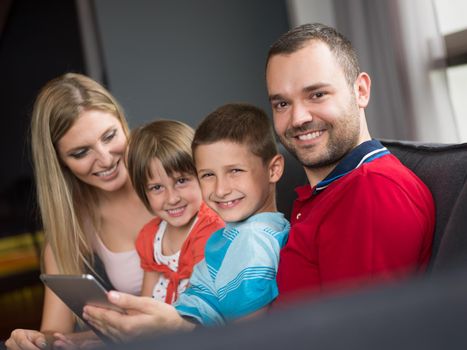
{"points": [[443, 168]]}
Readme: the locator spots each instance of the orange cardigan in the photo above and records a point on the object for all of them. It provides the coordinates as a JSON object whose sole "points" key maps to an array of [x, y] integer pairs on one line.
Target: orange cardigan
{"points": [[192, 250]]}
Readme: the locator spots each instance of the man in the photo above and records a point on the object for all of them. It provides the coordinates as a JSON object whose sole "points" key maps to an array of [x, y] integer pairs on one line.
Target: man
{"points": [[363, 216]]}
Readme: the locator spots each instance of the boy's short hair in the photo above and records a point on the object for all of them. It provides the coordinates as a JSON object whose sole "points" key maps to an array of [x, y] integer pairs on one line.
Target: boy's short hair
{"points": [[167, 140], [239, 123]]}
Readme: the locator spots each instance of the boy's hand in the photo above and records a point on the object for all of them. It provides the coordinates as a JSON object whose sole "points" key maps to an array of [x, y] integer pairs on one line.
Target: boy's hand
{"points": [[144, 316], [75, 341]]}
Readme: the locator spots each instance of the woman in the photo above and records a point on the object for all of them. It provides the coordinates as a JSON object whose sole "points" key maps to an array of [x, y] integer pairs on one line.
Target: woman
{"points": [[79, 139]]}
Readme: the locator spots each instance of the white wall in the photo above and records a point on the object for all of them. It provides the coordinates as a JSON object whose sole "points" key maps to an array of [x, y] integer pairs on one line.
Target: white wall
{"points": [[311, 11]]}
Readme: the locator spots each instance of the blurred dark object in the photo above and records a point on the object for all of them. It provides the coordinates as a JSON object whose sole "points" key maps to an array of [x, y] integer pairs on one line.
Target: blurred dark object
{"points": [[18, 208], [443, 168], [429, 314]]}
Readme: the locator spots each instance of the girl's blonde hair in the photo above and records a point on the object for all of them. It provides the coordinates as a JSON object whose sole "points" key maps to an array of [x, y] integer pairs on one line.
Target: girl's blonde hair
{"points": [[167, 140], [67, 205]]}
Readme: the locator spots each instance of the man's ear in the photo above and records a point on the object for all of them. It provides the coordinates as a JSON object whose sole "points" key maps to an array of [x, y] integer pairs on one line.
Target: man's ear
{"points": [[276, 168], [362, 88]]}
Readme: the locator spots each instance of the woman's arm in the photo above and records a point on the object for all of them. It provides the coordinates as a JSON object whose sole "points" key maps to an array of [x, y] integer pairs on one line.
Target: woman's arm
{"points": [[56, 316]]}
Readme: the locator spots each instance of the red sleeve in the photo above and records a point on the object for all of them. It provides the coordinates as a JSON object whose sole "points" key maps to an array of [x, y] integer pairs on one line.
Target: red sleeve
{"points": [[366, 234], [145, 243]]}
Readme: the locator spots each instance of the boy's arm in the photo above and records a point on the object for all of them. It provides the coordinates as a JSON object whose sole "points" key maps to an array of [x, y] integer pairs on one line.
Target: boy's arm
{"points": [[254, 315], [145, 316]]}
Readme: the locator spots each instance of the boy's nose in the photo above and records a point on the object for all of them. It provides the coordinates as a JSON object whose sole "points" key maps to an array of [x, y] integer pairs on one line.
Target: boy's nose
{"points": [[222, 188]]}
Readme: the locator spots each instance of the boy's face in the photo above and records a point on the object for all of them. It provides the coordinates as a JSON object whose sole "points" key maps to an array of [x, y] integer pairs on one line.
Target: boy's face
{"points": [[234, 182], [175, 199]]}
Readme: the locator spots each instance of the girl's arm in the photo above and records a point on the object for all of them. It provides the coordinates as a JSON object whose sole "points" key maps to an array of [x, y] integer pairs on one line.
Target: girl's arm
{"points": [[150, 279]]}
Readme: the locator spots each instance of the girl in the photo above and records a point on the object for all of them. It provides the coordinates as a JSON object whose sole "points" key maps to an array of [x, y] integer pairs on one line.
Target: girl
{"points": [[163, 174]]}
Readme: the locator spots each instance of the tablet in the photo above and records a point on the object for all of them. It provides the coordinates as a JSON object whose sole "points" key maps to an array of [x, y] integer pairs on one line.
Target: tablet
{"points": [[76, 291]]}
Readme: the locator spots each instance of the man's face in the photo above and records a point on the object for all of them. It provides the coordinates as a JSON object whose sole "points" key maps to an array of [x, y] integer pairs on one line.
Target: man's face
{"points": [[316, 114]]}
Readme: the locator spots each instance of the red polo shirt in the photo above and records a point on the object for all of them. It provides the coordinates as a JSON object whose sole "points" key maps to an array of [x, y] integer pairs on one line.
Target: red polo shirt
{"points": [[370, 219]]}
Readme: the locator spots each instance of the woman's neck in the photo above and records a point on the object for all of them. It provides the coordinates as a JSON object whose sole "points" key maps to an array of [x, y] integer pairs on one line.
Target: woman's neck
{"points": [[126, 192]]}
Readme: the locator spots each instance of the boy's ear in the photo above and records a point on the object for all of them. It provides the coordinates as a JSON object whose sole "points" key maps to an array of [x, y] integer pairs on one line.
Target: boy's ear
{"points": [[276, 168]]}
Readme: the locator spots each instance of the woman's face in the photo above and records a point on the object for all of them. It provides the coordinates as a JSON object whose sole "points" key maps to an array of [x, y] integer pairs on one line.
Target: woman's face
{"points": [[94, 150]]}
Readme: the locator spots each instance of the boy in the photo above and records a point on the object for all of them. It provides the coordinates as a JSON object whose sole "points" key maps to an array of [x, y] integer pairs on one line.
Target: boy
{"points": [[238, 167]]}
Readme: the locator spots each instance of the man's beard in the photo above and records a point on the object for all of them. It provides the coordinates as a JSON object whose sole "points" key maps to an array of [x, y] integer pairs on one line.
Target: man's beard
{"points": [[343, 136]]}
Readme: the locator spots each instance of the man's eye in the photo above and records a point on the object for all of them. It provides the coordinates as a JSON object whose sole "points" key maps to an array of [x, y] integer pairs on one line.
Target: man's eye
{"points": [[318, 95], [280, 105]]}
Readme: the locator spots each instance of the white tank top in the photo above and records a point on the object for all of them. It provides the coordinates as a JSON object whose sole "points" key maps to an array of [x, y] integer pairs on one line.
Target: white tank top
{"points": [[123, 268], [171, 261]]}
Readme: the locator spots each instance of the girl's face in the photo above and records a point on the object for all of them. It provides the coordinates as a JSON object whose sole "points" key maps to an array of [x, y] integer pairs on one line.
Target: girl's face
{"points": [[176, 198], [94, 149]]}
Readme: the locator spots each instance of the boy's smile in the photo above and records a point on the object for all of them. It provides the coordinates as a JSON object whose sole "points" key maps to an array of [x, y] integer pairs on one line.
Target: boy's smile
{"points": [[234, 182]]}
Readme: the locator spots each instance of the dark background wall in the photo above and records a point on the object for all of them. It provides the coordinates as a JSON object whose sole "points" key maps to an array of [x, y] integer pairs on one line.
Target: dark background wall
{"points": [[174, 59], [187, 57], [40, 40]]}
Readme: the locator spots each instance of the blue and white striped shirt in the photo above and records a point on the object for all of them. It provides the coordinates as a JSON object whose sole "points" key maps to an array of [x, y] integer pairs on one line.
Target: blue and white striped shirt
{"points": [[238, 274]]}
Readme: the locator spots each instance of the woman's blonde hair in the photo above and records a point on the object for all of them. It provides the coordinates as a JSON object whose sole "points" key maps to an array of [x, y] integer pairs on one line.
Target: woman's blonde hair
{"points": [[67, 205], [167, 140]]}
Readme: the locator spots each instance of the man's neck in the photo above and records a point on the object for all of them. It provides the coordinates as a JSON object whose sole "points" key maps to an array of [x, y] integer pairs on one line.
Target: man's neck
{"points": [[315, 176]]}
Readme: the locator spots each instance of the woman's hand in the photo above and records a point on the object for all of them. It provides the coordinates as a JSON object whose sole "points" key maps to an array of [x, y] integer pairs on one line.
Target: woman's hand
{"points": [[143, 316], [28, 339]]}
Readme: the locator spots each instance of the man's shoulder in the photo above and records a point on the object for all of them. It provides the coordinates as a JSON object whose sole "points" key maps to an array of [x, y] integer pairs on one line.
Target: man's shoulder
{"points": [[385, 169]]}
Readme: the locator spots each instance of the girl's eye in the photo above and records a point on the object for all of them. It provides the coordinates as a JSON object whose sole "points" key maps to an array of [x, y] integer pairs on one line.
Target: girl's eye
{"points": [[182, 180], [155, 188]]}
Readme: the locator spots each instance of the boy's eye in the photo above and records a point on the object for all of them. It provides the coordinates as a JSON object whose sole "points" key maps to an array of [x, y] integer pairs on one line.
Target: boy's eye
{"points": [[206, 175], [235, 171]]}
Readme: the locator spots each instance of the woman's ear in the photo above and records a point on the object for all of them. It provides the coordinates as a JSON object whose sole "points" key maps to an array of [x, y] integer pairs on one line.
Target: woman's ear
{"points": [[276, 168]]}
